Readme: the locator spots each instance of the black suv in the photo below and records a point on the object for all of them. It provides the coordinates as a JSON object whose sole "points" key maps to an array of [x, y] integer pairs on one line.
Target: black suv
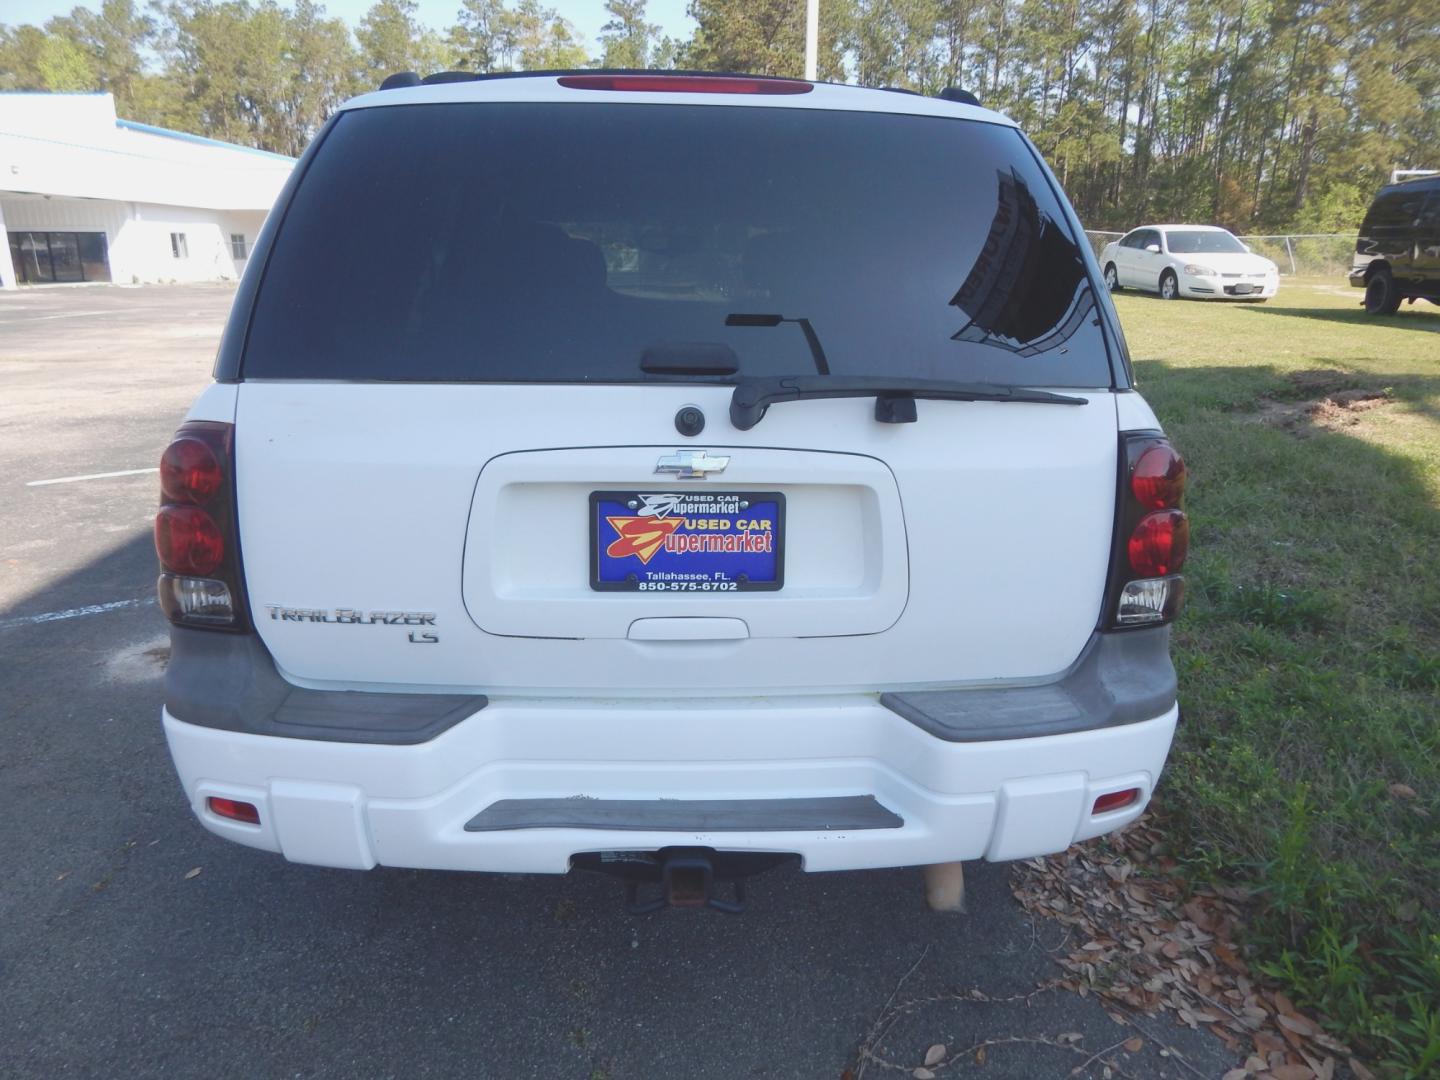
{"points": [[1397, 254]]}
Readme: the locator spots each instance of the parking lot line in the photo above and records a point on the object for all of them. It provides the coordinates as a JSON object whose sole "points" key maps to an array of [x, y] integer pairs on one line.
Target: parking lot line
{"points": [[75, 613], [89, 476], [61, 315]]}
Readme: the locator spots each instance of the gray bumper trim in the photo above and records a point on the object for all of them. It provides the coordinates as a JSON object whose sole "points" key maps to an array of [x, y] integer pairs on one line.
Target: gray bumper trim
{"points": [[229, 681], [847, 813], [1120, 678]]}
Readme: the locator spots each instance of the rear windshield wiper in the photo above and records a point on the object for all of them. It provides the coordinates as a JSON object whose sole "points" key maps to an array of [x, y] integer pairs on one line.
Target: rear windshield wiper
{"points": [[894, 397], [812, 339]]}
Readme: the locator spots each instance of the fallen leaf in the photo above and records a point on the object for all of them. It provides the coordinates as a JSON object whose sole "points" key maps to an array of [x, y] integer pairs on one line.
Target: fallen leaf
{"points": [[980, 1056], [923, 1073], [192, 873], [1292, 1072], [1282, 1003], [1360, 1071], [1133, 1045], [935, 1054], [1069, 1037], [1266, 1043], [1297, 1024], [1402, 791], [1236, 1074]]}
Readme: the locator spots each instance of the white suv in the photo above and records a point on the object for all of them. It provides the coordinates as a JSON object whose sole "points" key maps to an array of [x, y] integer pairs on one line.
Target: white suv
{"points": [[625, 470]]}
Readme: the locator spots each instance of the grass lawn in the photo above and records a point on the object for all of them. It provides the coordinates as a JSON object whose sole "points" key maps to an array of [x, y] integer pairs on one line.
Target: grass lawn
{"points": [[1308, 764]]}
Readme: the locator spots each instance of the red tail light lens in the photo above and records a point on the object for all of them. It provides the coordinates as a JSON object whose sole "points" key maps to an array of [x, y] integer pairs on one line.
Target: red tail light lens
{"points": [[684, 84], [1159, 543], [189, 472], [188, 541], [1158, 479]]}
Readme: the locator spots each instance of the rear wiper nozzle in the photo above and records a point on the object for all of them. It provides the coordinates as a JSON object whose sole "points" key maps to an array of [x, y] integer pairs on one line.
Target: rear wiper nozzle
{"points": [[894, 397]]}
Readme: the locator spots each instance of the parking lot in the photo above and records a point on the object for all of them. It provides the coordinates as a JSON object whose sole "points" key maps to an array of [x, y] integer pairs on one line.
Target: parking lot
{"points": [[134, 943]]}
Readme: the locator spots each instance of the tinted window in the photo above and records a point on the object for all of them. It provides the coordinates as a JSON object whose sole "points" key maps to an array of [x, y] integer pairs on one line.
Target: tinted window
{"points": [[1391, 209], [546, 242], [1198, 241]]}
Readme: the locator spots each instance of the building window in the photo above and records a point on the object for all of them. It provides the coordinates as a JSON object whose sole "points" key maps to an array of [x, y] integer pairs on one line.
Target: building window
{"points": [[59, 256], [237, 246], [178, 247]]}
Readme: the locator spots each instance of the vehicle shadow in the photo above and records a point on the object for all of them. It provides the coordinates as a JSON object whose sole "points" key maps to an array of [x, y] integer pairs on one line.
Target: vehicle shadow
{"points": [[1418, 316]]}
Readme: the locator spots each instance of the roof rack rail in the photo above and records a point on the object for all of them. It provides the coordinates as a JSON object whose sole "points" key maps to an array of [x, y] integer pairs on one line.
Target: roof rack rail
{"points": [[448, 77], [404, 79], [400, 80], [954, 93]]}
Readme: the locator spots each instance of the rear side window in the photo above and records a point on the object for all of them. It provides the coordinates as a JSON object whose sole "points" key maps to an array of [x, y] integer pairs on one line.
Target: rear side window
{"points": [[542, 242], [1394, 209]]}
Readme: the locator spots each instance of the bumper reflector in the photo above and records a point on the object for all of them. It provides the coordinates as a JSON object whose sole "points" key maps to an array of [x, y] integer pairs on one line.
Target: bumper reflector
{"points": [[233, 810], [1115, 800]]}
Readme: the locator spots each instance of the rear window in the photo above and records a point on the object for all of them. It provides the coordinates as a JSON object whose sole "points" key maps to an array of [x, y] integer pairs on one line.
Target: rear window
{"points": [[565, 242]]}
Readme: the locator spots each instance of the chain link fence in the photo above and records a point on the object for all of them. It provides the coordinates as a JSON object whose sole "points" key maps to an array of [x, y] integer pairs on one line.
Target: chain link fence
{"points": [[1317, 254]]}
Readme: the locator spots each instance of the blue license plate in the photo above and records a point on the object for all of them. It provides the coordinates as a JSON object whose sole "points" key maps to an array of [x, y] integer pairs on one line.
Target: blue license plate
{"points": [[687, 542]]}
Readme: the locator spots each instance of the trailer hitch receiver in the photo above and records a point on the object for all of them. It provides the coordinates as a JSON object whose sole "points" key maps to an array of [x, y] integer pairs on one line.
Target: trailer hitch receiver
{"points": [[687, 877]]}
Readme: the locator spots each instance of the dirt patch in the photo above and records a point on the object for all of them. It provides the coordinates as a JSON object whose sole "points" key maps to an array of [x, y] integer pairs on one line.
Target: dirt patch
{"points": [[1339, 404], [1322, 382], [140, 662]]}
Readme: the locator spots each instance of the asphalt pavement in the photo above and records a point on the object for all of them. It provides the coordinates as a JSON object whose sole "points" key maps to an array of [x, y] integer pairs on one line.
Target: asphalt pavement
{"points": [[118, 958]]}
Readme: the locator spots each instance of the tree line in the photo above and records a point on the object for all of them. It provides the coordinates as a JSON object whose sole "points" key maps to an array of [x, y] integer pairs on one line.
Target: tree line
{"points": [[1261, 115]]}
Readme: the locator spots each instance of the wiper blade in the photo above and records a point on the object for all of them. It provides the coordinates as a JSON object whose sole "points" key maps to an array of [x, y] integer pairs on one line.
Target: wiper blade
{"points": [[894, 397], [812, 339]]}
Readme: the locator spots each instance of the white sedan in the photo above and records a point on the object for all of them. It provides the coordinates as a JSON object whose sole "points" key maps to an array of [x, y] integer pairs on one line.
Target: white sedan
{"points": [[1198, 261]]}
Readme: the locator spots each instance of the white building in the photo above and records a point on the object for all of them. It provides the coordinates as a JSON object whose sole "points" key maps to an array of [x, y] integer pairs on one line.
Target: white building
{"points": [[85, 196]]}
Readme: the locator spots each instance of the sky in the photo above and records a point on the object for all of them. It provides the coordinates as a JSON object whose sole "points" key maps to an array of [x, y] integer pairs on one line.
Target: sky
{"points": [[587, 15]]}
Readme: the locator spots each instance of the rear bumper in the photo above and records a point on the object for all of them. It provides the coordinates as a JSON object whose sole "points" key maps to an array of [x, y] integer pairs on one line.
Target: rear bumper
{"points": [[356, 805]]}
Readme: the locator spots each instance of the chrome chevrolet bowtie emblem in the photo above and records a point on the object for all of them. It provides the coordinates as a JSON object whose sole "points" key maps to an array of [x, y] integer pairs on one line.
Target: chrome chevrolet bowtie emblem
{"points": [[691, 464]]}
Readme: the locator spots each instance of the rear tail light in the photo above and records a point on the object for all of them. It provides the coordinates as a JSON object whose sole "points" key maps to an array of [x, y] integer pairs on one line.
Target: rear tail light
{"points": [[195, 535], [1152, 534], [188, 540], [1157, 479], [189, 472], [685, 84], [1157, 546]]}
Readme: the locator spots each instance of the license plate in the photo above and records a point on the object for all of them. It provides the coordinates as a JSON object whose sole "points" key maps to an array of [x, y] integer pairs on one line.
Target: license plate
{"points": [[687, 542], [1242, 290]]}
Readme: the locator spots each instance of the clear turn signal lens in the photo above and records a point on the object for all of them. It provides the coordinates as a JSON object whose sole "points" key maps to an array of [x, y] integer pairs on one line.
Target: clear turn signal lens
{"points": [[197, 601], [1150, 600]]}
